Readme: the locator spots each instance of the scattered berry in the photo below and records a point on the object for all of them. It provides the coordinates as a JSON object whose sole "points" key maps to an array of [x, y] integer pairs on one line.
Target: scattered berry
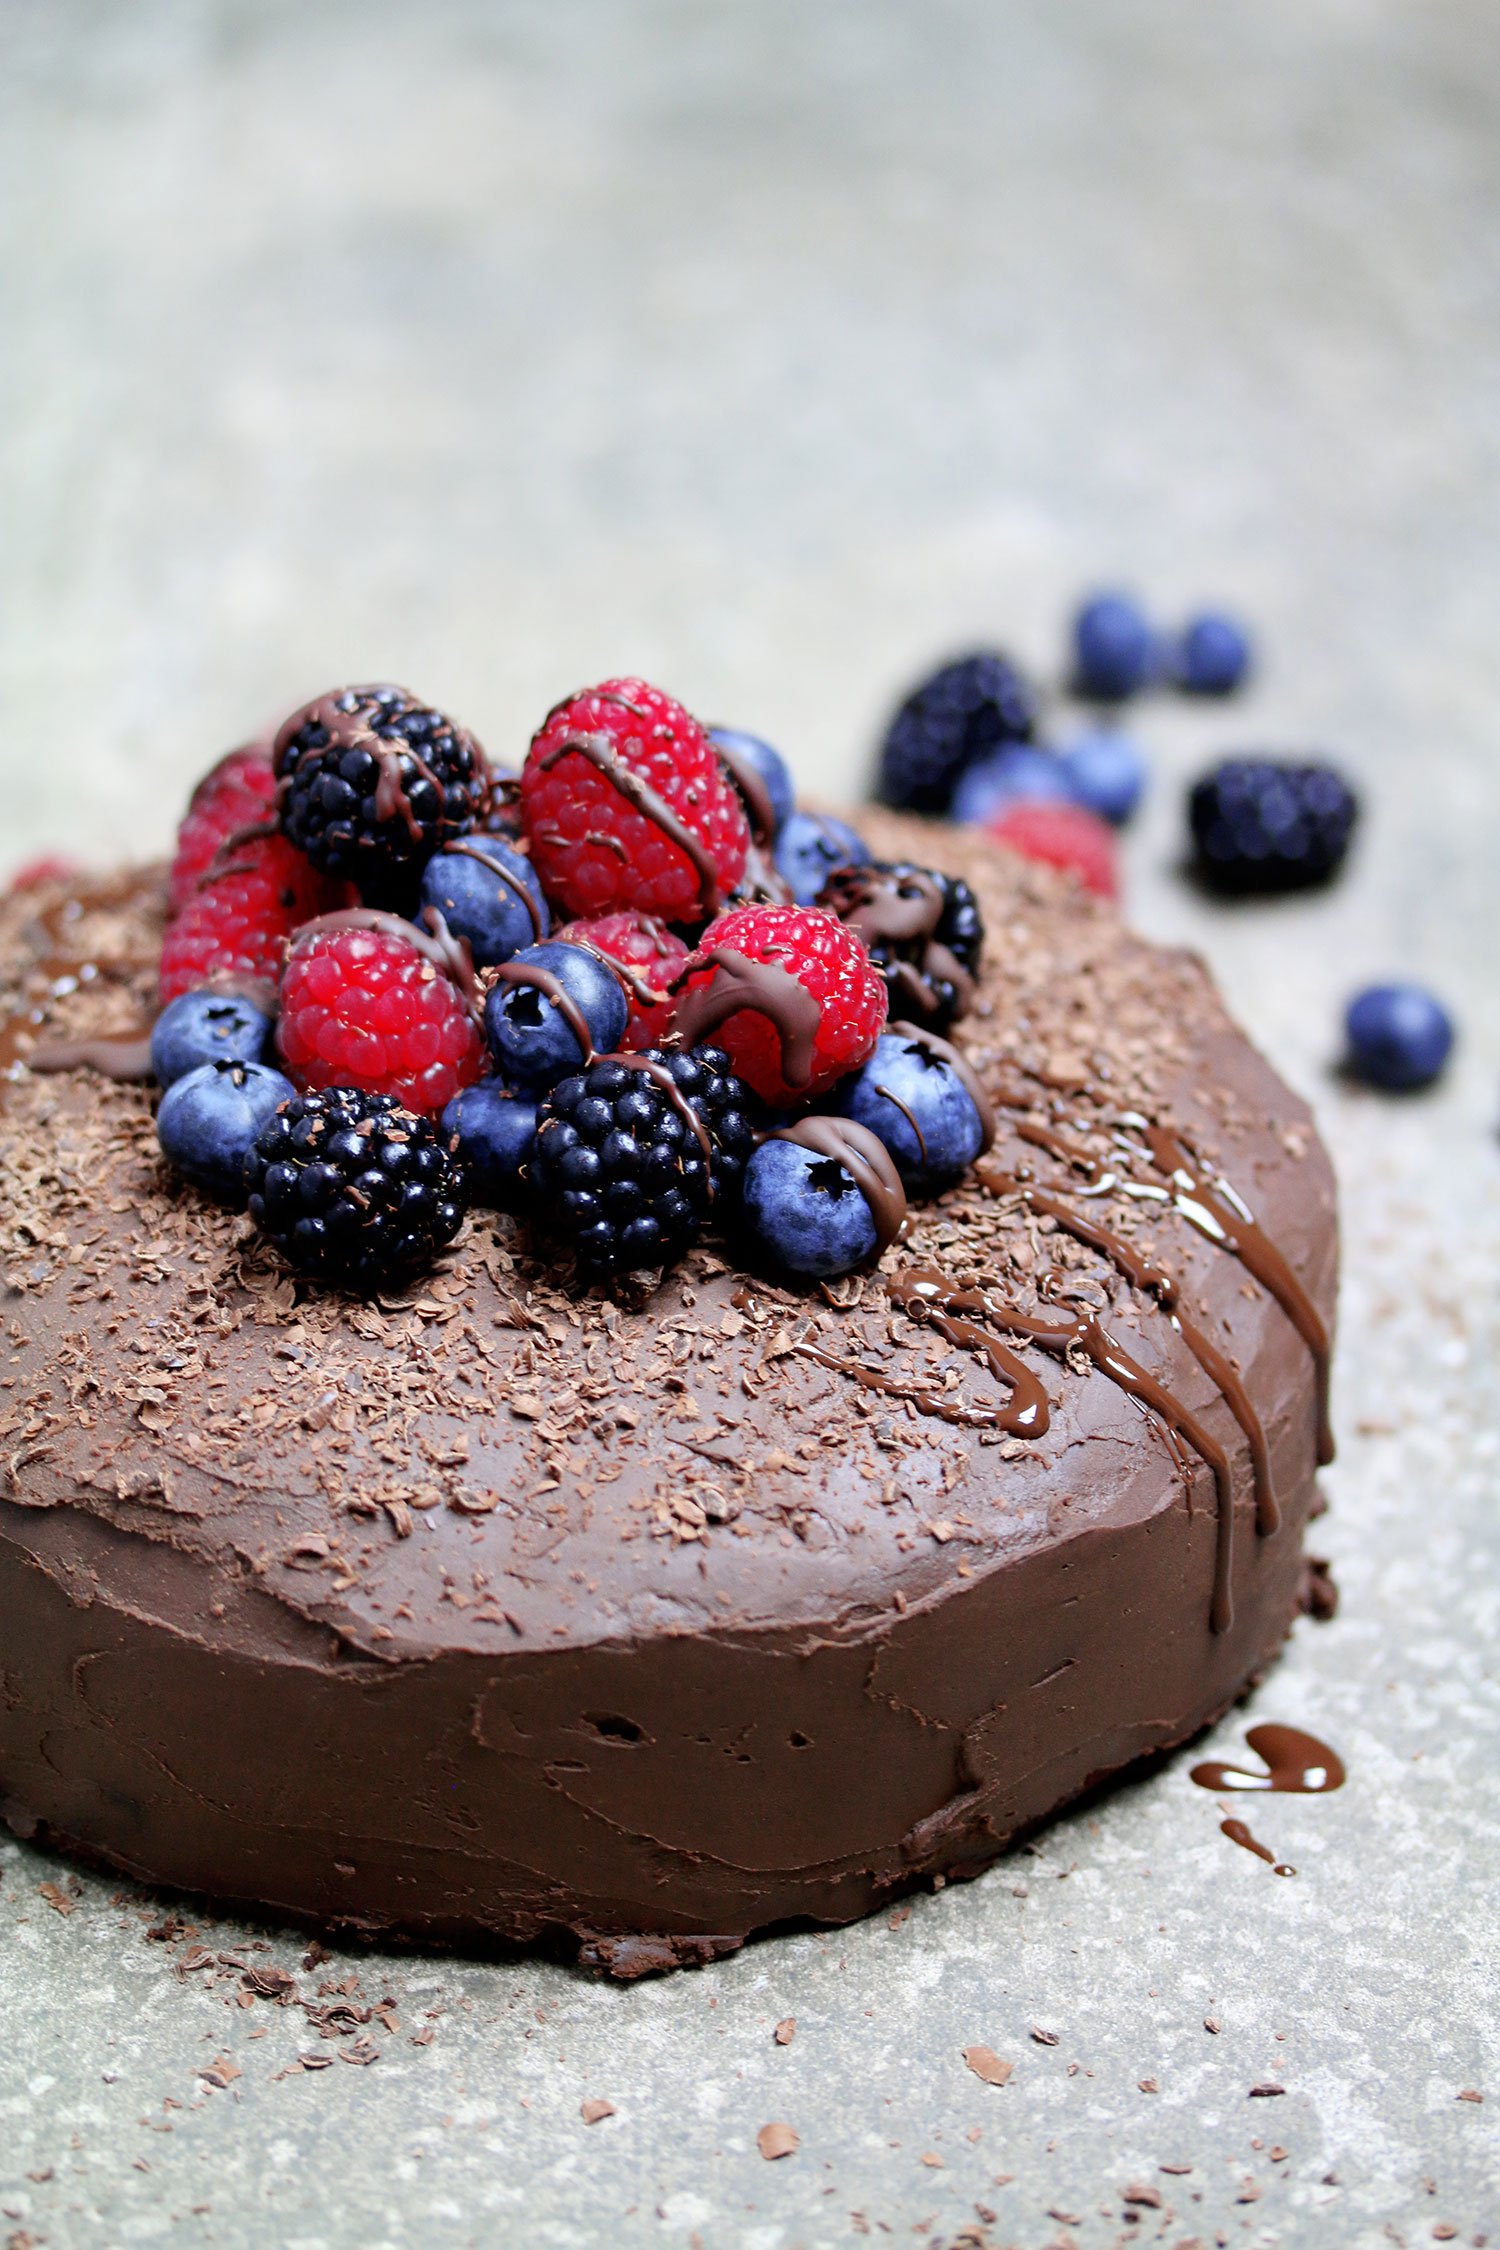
{"points": [[954, 718], [1213, 655], [236, 923], [353, 1188], [1399, 1037], [626, 804], [552, 1010], [373, 781], [651, 957], [372, 1009], [205, 1027], [1114, 649], [1106, 773], [804, 1212], [911, 1098], [812, 1003], [762, 777], [489, 895], [1021, 773], [236, 795], [1265, 824], [209, 1121], [810, 847], [1066, 836], [922, 929], [495, 1130], [621, 1170]]}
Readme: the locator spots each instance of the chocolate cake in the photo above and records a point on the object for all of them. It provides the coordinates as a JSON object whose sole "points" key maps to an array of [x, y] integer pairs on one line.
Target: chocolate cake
{"points": [[509, 1608]]}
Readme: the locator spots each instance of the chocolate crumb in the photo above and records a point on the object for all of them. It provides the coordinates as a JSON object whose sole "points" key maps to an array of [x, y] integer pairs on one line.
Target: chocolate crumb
{"points": [[1265, 2091], [1044, 2038], [777, 2139], [595, 2108], [986, 2064], [785, 2032]]}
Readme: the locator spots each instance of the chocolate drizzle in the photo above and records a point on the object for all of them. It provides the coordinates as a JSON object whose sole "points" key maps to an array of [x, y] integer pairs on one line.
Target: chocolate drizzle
{"points": [[930, 1297], [1238, 1833], [352, 730], [539, 978], [431, 937], [605, 758], [679, 1101], [962, 1069], [124, 1059], [1297, 1765], [896, 912], [867, 1162], [753, 793], [761, 986], [473, 847]]}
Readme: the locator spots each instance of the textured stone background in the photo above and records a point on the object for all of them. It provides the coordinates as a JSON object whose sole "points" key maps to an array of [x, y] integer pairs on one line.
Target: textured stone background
{"points": [[771, 350]]}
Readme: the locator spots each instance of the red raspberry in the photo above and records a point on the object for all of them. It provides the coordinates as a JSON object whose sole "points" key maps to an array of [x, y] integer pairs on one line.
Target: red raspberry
{"points": [[35, 874], [821, 955], [652, 955], [1062, 835], [615, 779], [239, 792], [369, 1009]]}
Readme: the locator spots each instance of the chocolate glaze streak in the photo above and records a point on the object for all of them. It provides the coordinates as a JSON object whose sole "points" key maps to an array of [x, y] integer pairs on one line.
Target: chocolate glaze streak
{"points": [[962, 1069], [603, 756], [867, 1162], [930, 1297], [350, 730], [122, 1059], [541, 979], [679, 1101], [627, 977], [1297, 1765], [431, 937], [944, 1409], [752, 791], [760, 986], [472, 847], [1238, 1833], [898, 910]]}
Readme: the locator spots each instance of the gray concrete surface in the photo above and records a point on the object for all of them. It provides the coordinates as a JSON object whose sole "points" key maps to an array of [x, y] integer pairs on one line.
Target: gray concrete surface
{"points": [[771, 350]]}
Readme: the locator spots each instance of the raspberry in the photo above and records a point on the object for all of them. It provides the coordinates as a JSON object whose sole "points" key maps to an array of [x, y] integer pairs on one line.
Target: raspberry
{"points": [[36, 874], [947, 723], [924, 933], [373, 782], [1268, 824], [238, 793], [236, 925], [626, 804], [368, 1004], [812, 1002], [650, 954], [1066, 836], [353, 1188]]}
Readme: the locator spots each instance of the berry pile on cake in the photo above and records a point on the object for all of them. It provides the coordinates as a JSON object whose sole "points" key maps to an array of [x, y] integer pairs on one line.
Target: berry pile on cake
{"points": [[662, 1365]]}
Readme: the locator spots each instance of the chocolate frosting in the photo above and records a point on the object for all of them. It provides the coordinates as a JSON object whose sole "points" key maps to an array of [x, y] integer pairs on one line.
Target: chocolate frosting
{"points": [[501, 1611]]}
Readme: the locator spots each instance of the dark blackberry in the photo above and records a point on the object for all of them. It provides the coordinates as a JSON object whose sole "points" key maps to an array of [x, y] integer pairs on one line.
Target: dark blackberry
{"points": [[355, 1189], [963, 711], [1269, 824], [373, 782], [924, 933], [619, 1171]]}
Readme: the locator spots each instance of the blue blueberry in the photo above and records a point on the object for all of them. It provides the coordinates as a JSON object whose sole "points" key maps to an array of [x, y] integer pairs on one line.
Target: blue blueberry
{"points": [[1107, 773], [210, 1120], [530, 1037], [496, 1130], [205, 1027], [810, 847], [1213, 655], [804, 1213], [1018, 773], [1114, 648], [916, 1103], [1399, 1037], [774, 772], [488, 908]]}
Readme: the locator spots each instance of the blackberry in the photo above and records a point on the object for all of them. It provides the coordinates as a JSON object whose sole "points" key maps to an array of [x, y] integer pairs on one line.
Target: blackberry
{"points": [[619, 1171], [961, 713], [373, 782], [1268, 824], [924, 933], [355, 1189]]}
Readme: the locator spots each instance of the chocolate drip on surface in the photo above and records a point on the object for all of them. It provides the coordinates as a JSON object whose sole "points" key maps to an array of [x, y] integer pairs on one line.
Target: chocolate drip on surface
{"points": [[962, 1069], [752, 790], [604, 758], [124, 1059], [1238, 1833], [58, 967], [944, 1409], [1297, 1765], [540, 978], [866, 1160], [472, 847], [931, 1297], [761, 986], [679, 1101]]}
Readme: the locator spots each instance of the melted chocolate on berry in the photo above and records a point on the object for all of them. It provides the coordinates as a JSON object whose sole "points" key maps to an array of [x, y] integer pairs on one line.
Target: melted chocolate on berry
{"points": [[760, 986], [351, 730], [897, 911], [603, 756], [867, 1161], [753, 793], [540, 978], [472, 847], [962, 1069]]}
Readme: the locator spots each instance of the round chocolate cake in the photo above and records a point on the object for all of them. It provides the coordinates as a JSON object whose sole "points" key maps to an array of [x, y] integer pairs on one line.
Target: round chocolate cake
{"points": [[504, 1605]]}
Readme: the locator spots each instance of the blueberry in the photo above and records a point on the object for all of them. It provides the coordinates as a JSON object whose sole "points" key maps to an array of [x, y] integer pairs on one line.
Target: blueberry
{"points": [[1399, 1037], [1105, 772], [205, 1027], [766, 763], [1015, 774], [210, 1120], [495, 1130], [915, 1102], [1114, 648], [1213, 655], [808, 849], [804, 1213], [530, 1036], [486, 906]]}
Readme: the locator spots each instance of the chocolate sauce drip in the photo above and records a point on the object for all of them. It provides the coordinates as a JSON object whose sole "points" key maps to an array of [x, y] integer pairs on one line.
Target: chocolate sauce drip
{"points": [[1297, 1765], [351, 730], [1238, 1833], [897, 1103], [473, 847], [944, 1409], [893, 908], [932, 1298], [761, 986], [752, 790], [224, 864], [114, 1057], [540, 978], [603, 756], [679, 1101], [962, 1069], [629, 978], [866, 1160], [124, 1059]]}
